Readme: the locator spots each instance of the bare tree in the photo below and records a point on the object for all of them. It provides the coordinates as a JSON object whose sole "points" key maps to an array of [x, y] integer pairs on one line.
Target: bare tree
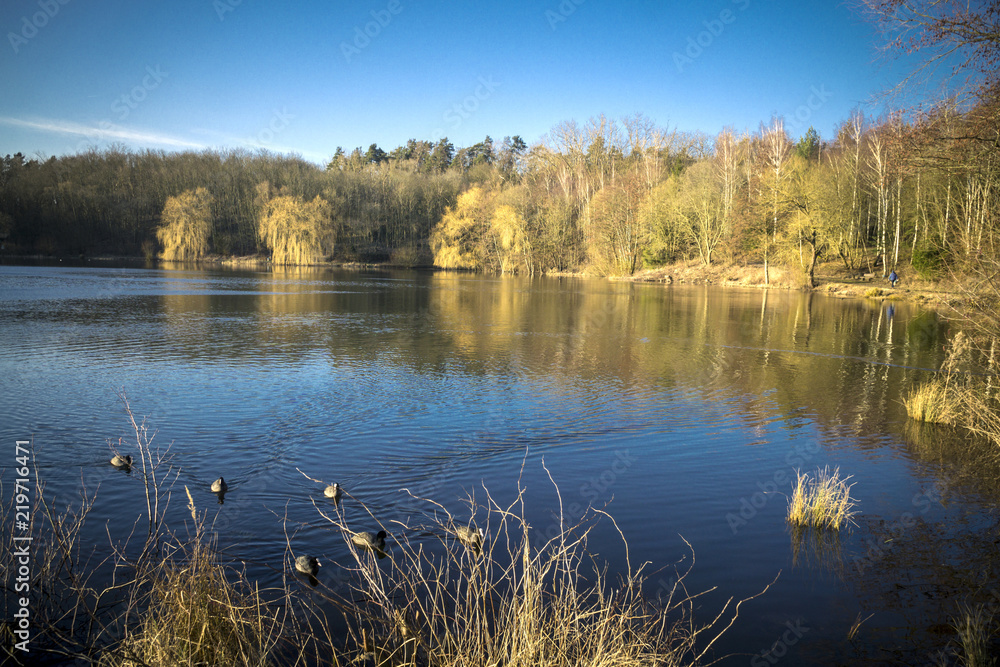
{"points": [[964, 34], [727, 163], [777, 149]]}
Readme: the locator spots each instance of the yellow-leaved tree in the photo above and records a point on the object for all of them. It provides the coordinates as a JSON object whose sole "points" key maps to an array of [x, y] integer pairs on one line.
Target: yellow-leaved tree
{"points": [[294, 230], [186, 225], [458, 239], [618, 235], [511, 246]]}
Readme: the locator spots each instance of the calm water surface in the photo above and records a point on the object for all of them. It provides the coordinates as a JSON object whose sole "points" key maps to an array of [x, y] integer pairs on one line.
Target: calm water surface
{"points": [[684, 410]]}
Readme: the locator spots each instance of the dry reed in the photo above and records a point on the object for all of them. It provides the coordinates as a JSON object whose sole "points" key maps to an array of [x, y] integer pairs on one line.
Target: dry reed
{"points": [[823, 501], [975, 631], [934, 402], [516, 599], [196, 611]]}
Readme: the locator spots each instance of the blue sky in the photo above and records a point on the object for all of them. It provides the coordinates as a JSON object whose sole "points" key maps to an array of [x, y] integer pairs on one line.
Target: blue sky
{"points": [[308, 76]]}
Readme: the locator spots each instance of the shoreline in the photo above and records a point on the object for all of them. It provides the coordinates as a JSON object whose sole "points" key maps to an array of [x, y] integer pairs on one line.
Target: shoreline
{"points": [[829, 277]]}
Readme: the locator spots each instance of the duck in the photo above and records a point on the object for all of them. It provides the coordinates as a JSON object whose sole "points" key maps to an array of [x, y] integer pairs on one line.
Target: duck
{"points": [[333, 491], [470, 537], [219, 486], [366, 540], [120, 461], [307, 565]]}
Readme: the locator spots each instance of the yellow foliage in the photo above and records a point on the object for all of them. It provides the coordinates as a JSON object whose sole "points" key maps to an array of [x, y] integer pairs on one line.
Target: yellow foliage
{"points": [[186, 225], [617, 235], [296, 231], [509, 229], [457, 239], [480, 233]]}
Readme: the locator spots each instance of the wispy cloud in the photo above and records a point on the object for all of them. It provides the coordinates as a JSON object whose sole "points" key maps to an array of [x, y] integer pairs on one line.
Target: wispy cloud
{"points": [[106, 131], [110, 132]]}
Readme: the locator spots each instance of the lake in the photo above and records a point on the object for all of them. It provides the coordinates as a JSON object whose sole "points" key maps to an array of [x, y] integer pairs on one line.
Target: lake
{"points": [[684, 411]]}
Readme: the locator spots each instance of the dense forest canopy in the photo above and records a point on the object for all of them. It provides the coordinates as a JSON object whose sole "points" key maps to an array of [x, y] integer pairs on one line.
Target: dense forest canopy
{"points": [[918, 188]]}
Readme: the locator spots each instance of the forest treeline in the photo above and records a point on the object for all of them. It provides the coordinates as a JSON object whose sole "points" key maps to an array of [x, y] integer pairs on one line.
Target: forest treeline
{"points": [[610, 195], [916, 189], [192, 204]]}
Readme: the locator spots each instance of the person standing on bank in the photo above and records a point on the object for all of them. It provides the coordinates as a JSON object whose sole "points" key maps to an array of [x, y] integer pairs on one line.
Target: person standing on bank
{"points": [[893, 278]]}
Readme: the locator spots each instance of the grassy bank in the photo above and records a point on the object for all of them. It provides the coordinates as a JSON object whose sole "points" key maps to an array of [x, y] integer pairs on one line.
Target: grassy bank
{"points": [[964, 392], [831, 279]]}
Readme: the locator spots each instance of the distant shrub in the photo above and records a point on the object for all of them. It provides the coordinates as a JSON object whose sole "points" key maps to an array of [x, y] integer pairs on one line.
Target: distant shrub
{"points": [[410, 256], [655, 255], [929, 261]]}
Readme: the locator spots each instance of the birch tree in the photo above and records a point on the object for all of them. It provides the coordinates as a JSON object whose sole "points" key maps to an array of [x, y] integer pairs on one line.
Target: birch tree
{"points": [[776, 150]]}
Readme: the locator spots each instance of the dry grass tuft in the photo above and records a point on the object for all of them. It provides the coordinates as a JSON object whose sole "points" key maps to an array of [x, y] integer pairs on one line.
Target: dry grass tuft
{"points": [[940, 400], [198, 612], [518, 599], [956, 398], [822, 502], [934, 402], [975, 630]]}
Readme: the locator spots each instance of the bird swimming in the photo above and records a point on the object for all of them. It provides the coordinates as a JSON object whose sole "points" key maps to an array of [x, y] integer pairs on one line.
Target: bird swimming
{"points": [[307, 565], [120, 461], [366, 540], [470, 537], [333, 491], [219, 486]]}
